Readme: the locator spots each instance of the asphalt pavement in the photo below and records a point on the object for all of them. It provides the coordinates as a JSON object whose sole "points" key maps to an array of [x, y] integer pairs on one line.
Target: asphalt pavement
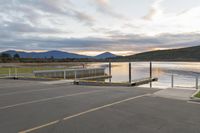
{"points": [[32, 106]]}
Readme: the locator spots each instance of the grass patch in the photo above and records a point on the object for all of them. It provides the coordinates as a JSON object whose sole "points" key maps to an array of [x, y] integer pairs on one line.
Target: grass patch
{"points": [[26, 70], [197, 95]]}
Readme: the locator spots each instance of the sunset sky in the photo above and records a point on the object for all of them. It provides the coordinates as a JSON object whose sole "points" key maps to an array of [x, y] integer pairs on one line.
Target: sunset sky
{"points": [[93, 26]]}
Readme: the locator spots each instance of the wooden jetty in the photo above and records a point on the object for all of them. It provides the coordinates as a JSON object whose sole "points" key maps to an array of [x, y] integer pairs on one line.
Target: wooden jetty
{"points": [[143, 81], [96, 77], [102, 83]]}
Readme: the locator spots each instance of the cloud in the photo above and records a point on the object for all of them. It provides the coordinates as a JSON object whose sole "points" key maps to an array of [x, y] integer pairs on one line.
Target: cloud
{"points": [[89, 20], [154, 11], [35, 11], [102, 2], [65, 8], [104, 7], [75, 26], [129, 42]]}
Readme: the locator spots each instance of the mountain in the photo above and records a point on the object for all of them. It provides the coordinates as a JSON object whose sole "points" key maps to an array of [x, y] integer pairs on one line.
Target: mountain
{"points": [[105, 55], [181, 54], [49, 54], [57, 55]]}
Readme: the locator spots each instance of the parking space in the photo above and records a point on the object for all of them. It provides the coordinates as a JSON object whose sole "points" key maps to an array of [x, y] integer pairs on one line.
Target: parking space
{"points": [[142, 115], [59, 108]]}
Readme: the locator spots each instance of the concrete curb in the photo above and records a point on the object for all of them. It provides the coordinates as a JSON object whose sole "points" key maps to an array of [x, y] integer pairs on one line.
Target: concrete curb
{"points": [[30, 78], [193, 98]]}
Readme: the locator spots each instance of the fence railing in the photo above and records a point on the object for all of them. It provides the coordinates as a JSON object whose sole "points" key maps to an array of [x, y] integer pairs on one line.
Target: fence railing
{"points": [[175, 76], [53, 73]]}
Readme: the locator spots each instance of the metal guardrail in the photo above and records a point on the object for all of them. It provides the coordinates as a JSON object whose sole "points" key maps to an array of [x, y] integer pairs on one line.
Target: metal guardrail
{"points": [[196, 80], [15, 73], [71, 73]]}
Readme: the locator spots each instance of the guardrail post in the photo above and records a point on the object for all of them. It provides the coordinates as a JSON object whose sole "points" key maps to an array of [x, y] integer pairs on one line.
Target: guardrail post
{"points": [[75, 75], [150, 71], [64, 74], [172, 81], [197, 82], [15, 72], [9, 72], [129, 72]]}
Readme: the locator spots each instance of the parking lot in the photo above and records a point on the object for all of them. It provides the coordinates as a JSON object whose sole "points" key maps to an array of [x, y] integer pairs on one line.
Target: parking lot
{"points": [[32, 106]]}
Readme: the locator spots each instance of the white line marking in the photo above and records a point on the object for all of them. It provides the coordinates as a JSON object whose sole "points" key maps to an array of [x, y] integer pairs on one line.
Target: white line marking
{"points": [[28, 91], [193, 102], [58, 82], [82, 113], [104, 106], [48, 99], [39, 127]]}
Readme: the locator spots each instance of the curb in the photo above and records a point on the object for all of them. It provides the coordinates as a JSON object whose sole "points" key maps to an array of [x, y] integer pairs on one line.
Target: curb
{"points": [[193, 98], [29, 78]]}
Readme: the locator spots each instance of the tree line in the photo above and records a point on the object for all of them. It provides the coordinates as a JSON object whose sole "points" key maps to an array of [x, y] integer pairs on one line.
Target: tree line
{"points": [[7, 58]]}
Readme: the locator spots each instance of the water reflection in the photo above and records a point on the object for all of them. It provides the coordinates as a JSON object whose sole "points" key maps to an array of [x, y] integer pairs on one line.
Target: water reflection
{"points": [[184, 72]]}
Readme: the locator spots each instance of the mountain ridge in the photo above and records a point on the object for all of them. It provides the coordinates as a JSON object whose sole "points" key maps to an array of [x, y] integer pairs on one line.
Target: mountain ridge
{"points": [[57, 54], [105, 55], [180, 54]]}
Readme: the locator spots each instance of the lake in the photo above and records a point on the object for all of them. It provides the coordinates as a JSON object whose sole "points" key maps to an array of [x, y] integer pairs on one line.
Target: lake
{"points": [[184, 72]]}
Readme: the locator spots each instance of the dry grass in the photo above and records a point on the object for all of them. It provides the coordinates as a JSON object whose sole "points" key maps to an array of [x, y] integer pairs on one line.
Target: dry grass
{"points": [[5, 68]]}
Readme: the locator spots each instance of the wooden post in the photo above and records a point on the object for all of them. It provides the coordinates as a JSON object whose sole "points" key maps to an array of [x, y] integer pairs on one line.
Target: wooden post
{"points": [[110, 71], [150, 74], [110, 68], [197, 82], [129, 72], [172, 81]]}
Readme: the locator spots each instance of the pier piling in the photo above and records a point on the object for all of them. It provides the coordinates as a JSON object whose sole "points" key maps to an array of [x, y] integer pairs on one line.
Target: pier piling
{"points": [[130, 72], [109, 68], [150, 75], [197, 82], [110, 71], [172, 81]]}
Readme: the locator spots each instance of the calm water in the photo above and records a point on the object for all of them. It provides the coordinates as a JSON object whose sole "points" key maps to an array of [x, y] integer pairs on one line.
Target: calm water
{"points": [[184, 72]]}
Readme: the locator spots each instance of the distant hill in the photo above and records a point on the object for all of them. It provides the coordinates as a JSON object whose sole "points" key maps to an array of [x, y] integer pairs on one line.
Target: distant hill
{"points": [[181, 54], [105, 55], [57, 55], [49, 54]]}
